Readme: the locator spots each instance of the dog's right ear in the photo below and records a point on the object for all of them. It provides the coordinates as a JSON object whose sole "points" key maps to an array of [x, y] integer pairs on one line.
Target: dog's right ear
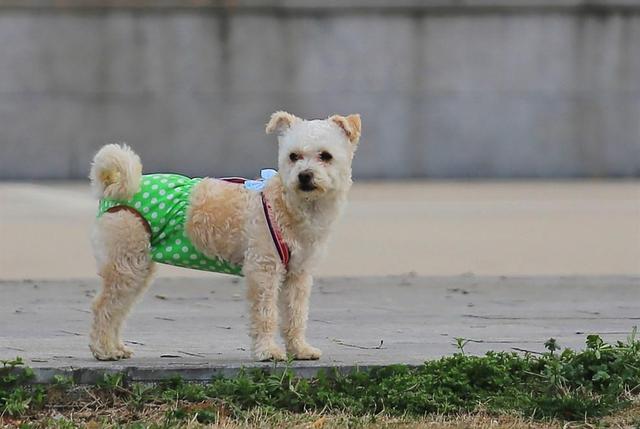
{"points": [[280, 122]]}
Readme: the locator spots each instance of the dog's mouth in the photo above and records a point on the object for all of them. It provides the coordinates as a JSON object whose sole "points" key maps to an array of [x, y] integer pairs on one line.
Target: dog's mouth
{"points": [[307, 187]]}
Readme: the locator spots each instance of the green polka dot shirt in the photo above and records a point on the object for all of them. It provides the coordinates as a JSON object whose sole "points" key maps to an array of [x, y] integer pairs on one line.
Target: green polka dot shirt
{"points": [[162, 201]]}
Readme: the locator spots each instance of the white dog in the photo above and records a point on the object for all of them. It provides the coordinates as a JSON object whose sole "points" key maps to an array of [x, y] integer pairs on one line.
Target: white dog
{"points": [[272, 232]]}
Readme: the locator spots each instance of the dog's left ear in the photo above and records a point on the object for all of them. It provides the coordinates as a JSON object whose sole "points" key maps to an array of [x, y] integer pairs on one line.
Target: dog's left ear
{"points": [[280, 122], [351, 126]]}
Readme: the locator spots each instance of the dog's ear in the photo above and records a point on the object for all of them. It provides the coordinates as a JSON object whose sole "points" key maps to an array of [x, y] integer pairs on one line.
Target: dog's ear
{"points": [[280, 122], [351, 126]]}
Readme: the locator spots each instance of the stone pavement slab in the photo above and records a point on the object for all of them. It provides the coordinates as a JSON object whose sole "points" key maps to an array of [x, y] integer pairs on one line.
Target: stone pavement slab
{"points": [[198, 327]]}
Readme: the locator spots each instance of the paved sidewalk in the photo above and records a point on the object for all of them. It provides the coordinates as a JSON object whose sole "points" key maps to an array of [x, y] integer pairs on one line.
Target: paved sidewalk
{"points": [[431, 228], [198, 327]]}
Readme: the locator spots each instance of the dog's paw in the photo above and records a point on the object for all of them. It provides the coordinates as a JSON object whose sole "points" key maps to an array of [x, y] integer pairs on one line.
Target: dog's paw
{"points": [[126, 351], [270, 353], [306, 352], [117, 353]]}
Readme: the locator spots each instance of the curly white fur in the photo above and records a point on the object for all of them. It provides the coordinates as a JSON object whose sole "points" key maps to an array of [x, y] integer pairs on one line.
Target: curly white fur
{"points": [[115, 172], [226, 220]]}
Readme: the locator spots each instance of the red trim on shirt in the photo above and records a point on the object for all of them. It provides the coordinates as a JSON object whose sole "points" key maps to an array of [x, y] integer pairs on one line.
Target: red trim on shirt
{"points": [[274, 230], [276, 234]]}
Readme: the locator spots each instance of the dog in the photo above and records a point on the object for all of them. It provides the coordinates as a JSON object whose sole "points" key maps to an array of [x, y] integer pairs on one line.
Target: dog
{"points": [[273, 233]]}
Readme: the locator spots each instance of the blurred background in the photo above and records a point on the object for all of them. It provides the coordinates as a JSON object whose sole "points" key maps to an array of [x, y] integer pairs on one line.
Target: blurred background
{"points": [[505, 91]]}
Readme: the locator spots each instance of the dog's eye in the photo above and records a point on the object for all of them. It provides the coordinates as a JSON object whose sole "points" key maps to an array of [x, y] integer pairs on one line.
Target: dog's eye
{"points": [[294, 156], [326, 156]]}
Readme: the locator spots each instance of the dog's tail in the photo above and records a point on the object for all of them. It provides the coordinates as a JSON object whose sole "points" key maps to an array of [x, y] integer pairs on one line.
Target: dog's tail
{"points": [[115, 172]]}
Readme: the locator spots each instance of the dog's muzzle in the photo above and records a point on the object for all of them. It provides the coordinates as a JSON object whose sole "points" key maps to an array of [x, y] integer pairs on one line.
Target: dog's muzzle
{"points": [[305, 180]]}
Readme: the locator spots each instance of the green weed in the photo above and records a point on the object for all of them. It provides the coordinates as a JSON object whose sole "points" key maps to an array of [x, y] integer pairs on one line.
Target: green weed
{"points": [[569, 385], [562, 384], [111, 382], [16, 397]]}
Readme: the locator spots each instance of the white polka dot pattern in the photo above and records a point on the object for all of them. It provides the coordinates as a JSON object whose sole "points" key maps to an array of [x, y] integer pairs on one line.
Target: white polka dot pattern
{"points": [[162, 201]]}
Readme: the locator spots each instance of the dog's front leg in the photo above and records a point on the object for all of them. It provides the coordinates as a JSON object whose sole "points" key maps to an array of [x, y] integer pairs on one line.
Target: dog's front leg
{"points": [[262, 288], [295, 309]]}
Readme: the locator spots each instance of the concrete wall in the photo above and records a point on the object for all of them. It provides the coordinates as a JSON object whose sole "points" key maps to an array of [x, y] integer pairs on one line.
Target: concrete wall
{"points": [[492, 89]]}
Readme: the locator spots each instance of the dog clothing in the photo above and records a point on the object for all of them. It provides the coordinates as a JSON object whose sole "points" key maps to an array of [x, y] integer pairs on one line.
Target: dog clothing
{"points": [[162, 203]]}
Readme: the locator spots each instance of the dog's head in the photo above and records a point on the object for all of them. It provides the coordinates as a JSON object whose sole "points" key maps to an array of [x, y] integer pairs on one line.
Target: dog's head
{"points": [[315, 156]]}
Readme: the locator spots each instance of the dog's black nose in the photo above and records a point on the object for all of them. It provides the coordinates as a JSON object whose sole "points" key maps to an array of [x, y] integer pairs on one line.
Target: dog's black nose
{"points": [[305, 177]]}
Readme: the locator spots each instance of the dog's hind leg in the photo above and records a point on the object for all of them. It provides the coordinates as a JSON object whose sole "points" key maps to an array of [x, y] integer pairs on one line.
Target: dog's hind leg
{"points": [[121, 246]]}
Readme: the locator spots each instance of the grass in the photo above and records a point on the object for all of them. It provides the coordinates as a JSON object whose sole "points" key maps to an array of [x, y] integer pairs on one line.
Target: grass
{"points": [[597, 385]]}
